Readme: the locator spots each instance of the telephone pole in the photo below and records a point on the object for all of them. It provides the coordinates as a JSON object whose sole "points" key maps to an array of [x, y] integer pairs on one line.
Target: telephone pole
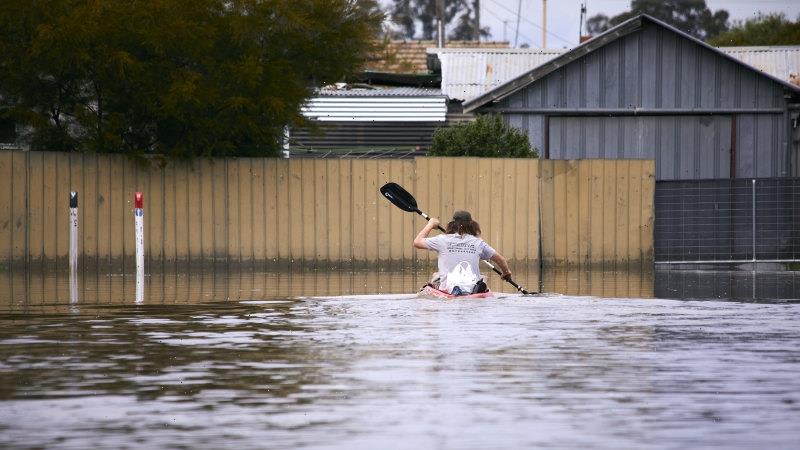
{"points": [[544, 23], [477, 5], [440, 23], [516, 32]]}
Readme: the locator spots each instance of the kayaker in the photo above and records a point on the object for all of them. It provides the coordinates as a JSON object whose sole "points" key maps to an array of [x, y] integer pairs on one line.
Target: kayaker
{"points": [[460, 251]]}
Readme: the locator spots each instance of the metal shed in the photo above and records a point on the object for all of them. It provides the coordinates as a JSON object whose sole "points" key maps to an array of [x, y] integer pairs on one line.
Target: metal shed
{"points": [[366, 120], [469, 72], [647, 90]]}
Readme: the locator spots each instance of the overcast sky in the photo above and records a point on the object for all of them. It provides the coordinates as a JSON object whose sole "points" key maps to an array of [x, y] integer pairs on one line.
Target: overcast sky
{"points": [[563, 16]]}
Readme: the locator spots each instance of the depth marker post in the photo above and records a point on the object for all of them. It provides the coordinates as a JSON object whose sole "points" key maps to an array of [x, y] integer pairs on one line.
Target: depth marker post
{"points": [[138, 215], [73, 247], [73, 232]]}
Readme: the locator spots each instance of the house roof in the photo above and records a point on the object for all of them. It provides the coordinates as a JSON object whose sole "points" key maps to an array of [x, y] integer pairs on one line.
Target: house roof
{"points": [[621, 30], [409, 56]]}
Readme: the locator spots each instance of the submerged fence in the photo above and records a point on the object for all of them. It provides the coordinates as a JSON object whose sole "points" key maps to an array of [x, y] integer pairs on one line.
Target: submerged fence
{"points": [[738, 220], [274, 213]]}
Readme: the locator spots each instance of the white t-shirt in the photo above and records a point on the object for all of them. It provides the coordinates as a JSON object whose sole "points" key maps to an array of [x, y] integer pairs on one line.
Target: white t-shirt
{"points": [[454, 248]]}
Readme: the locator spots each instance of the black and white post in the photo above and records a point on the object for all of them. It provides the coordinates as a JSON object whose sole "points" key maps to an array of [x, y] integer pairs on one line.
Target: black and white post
{"points": [[73, 247], [73, 232], [138, 214]]}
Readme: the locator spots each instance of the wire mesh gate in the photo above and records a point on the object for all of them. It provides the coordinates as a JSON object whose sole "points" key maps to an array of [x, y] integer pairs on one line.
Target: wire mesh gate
{"points": [[732, 220]]}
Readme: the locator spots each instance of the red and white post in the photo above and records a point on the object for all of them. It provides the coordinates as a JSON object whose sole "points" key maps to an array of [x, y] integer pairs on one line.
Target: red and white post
{"points": [[138, 215]]}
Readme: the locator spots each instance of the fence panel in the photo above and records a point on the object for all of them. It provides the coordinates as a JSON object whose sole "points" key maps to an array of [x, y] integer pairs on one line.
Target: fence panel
{"points": [[730, 220], [596, 212], [275, 212]]}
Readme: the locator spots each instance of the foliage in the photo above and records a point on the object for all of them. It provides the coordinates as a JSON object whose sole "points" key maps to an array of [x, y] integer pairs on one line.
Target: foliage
{"points": [[407, 13], [690, 16], [771, 29], [487, 137], [183, 79]]}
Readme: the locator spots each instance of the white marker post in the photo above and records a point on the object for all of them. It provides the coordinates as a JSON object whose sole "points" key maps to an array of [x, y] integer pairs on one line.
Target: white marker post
{"points": [[138, 214], [73, 232], [73, 247]]}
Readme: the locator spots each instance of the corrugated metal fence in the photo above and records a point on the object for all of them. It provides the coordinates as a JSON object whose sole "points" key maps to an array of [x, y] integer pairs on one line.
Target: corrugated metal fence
{"points": [[597, 212], [273, 213]]}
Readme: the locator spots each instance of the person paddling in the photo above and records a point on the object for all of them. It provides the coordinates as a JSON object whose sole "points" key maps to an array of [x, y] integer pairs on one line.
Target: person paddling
{"points": [[460, 251]]}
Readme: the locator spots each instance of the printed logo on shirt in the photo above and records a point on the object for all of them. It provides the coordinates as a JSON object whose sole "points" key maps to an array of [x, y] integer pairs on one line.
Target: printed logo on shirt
{"points": [[462, 247]]}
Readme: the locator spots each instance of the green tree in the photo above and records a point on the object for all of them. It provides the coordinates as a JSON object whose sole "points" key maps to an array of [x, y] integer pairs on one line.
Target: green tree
{"points": [[690, 16], [182, 79], [487, 137], [770, 29]]}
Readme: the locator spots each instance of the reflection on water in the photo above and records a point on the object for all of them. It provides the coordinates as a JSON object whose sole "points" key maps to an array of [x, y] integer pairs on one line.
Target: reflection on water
{"points": [[635, 283], [728, 284], [55, 290], [32, 289]]}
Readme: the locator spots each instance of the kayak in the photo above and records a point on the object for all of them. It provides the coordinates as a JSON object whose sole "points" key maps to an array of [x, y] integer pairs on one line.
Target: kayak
{"points": [[431, 292]]}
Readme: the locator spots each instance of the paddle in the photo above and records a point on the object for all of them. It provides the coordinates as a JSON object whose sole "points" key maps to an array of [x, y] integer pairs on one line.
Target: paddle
{"points": [[405, 201]]}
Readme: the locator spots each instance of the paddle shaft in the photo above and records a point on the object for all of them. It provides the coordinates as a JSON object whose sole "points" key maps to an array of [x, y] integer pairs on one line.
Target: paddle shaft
{"points": [[496, 270]]}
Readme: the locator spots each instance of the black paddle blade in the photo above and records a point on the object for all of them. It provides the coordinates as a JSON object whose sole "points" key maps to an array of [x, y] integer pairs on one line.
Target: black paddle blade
{"points": [[400, 197]]}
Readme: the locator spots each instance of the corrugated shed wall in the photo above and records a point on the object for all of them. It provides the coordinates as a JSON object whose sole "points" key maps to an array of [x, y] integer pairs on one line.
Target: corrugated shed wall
{"points": [[329, 135], [683, 146], [795, 152], [467, 73], [670, 79]]}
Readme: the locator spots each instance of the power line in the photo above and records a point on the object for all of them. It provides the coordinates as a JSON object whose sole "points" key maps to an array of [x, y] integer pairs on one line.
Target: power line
{"points": [[533, 23], [525, 36]]}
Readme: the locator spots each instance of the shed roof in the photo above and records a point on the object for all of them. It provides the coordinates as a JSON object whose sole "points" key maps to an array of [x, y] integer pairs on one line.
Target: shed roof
{"points": [[363, 91], [781, 61], [467, 73], [621, 30], [368, 104]]}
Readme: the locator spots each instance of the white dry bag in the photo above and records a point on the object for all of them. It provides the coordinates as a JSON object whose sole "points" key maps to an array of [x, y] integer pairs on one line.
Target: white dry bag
{"points": [[461, 276]]}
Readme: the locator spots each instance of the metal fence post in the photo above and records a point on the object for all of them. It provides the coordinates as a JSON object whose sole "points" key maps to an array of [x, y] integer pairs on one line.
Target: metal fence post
{"points": [[754, 222]]}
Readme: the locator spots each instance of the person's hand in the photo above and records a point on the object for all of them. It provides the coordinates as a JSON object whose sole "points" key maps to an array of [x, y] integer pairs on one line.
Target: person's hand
{"points": [[506, 276], [434, 222]]}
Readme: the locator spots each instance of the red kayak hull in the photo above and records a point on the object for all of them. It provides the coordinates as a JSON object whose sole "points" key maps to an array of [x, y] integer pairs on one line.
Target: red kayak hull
{"points": [[430, 292]]}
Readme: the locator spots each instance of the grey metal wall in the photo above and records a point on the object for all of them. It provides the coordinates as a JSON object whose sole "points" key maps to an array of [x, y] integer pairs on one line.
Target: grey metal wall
{"points": [[795, 152], [656, 94], [684, 147]]}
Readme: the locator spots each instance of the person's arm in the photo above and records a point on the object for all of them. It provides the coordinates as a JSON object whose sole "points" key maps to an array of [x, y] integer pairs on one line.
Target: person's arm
{"points": [[503, 264], [419, 241]]}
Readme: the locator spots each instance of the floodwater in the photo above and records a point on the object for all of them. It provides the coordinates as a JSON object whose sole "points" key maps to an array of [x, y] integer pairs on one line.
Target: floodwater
{"points": [[349, 360]]}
